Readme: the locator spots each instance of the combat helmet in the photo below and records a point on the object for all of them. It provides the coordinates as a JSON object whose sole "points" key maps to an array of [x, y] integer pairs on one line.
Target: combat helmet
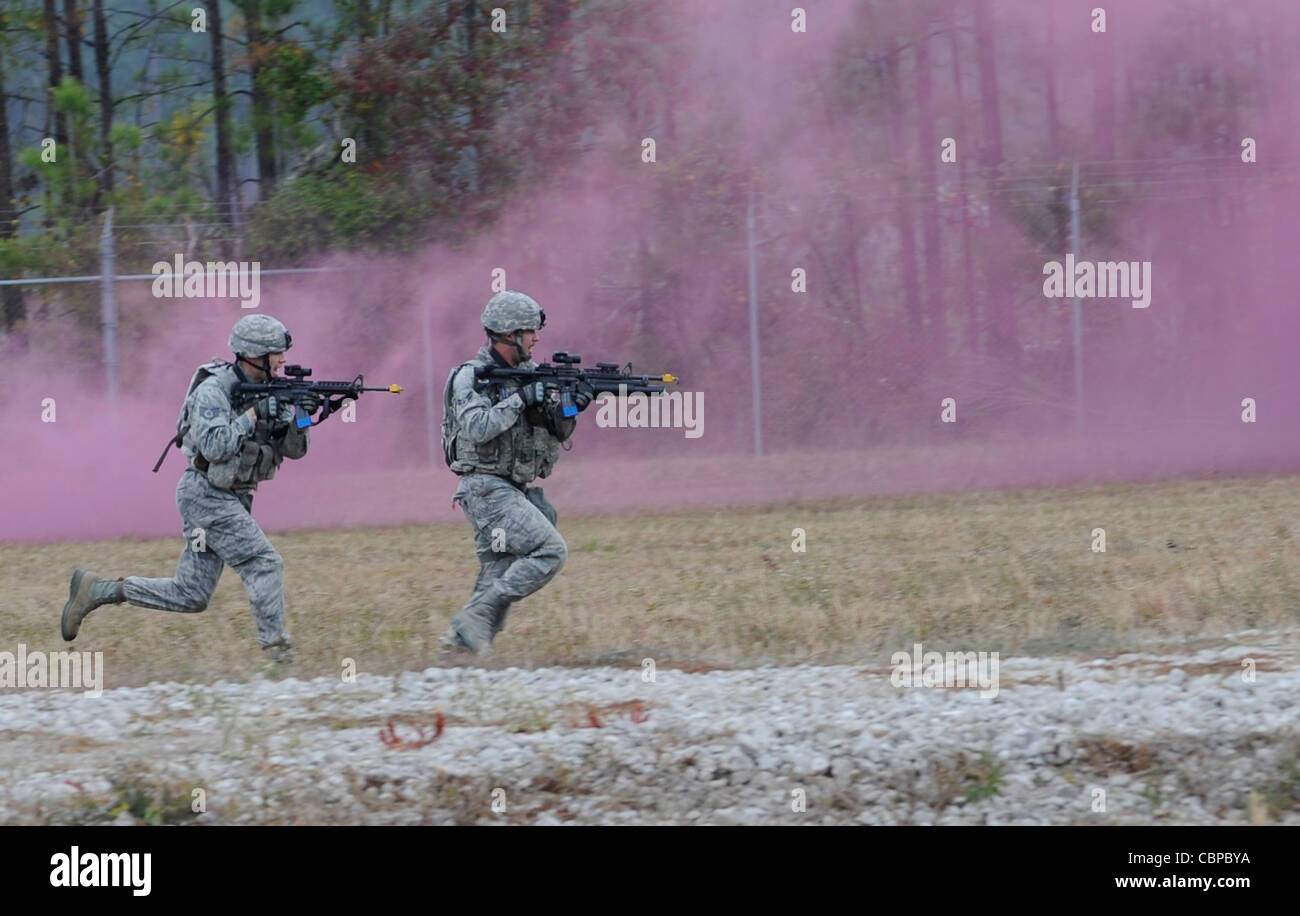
{"points": [[509, 311], [259, 335]]}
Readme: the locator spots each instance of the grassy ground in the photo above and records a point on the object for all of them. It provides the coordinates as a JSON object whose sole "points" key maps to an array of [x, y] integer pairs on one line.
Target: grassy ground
{"points": [[1011, 571]]}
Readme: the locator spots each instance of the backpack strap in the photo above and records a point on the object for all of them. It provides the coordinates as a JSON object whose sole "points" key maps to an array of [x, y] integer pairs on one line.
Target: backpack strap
{"points": [[449, 431], [201, 374]]}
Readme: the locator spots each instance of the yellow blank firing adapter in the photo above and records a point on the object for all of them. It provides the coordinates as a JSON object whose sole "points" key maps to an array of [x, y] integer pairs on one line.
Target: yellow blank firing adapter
{"points": [[395, 389], [668, 378]]}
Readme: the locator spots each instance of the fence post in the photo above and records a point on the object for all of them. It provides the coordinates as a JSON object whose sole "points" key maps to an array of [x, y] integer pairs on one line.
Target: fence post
{"points": [[753, 326], [108, 303]]}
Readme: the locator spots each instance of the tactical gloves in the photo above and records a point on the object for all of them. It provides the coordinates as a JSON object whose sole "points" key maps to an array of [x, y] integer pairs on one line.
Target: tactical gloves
{"points": [[533, 393], [273, 410], [309, 403], [583, 395]]}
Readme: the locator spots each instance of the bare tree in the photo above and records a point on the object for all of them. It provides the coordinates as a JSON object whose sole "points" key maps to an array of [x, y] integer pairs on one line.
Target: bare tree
{"points": [[963, 201], [912, 303], [11, 297], [54, 67], [1103, 96], [937, 336], [259, 46], [221, 104], [1003, 338], [72, 33], [103, 71]]}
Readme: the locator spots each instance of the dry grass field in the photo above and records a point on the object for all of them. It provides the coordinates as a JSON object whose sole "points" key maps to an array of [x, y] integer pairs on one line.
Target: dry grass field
{"points": [[1011, 571]]}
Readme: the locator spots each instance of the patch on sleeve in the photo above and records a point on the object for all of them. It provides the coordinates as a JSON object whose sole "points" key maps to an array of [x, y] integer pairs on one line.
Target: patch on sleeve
{"points": [[209, 413]]}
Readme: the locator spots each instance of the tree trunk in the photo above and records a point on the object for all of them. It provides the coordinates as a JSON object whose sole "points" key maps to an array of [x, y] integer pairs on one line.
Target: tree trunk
{"points": [[1103, 98], [912, 353], [263, 125], [557, 30], [476, 119], [1049, 78], [991, 154], [937, 334], [105, 98], [1004, 344], [221, 103], [12, 311], [963, 197], [1059, 206], [72, 32], [365, 21], [55, 67]]}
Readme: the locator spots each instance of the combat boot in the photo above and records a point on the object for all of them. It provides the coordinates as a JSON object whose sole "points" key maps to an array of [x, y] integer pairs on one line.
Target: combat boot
{"points": [[499, 618], [87, 592], [474, 624], [280, 653], [451, 646]]}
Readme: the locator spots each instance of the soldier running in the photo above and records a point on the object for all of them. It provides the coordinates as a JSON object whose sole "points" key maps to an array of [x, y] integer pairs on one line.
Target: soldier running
{"points": [[500, 436], [231, 449]]}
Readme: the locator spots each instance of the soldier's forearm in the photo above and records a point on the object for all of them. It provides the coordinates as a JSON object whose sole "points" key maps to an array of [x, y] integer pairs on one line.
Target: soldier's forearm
{"points": [[480, 424], [222, 442]]}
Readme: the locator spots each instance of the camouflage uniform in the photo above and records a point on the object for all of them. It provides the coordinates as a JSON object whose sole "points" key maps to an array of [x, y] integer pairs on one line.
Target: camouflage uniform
{"points": [[230, 451], [500, 447], [229, 454]]}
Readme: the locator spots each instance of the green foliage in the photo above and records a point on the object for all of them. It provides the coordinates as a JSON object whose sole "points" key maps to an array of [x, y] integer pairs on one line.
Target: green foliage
{"points": [[1282, 793], [983, 779], [134, 792], [341, 209], [126, 137], [297, 80], [72, 98]]}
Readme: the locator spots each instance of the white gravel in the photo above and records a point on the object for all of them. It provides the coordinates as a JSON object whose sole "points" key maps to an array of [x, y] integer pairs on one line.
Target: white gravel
{"points": [[1132, 740]]}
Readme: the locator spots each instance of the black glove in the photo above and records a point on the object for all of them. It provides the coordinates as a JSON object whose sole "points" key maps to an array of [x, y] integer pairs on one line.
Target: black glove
{"points": [[583, 395], [272, 409], [533, 393], [308, 403]]}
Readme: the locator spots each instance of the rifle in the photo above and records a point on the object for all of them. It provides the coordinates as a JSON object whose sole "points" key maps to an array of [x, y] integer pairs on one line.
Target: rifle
{"points": [[294, 385], [292, 389], [566, 376]]}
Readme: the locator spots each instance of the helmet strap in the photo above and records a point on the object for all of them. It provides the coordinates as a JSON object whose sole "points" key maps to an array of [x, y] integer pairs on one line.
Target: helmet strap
{"points": [[513, 340], [264, 367]]}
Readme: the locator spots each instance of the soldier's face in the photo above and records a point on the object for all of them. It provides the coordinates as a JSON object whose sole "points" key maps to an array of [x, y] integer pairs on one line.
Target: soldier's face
{"points": [[253, 365], [528, 340]]}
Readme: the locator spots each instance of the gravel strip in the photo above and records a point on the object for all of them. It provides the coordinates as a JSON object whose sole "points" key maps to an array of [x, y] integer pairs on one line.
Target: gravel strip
{"points": [[1137, 739]]}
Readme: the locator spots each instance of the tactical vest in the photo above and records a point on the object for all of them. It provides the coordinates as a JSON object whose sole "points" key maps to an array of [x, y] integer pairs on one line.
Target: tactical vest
{"points": [[522, 453], [259, 456]]}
